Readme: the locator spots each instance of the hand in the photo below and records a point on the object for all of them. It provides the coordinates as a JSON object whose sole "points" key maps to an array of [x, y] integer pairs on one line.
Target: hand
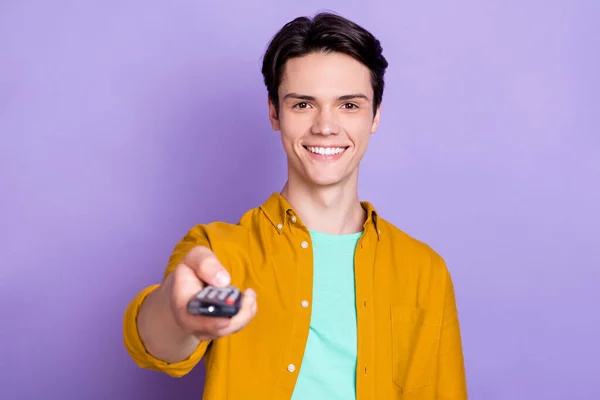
{"points": [[197, 269]]}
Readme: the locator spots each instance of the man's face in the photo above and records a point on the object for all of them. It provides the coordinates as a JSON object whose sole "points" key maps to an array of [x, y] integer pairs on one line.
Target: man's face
{"points": [[325, 116]]}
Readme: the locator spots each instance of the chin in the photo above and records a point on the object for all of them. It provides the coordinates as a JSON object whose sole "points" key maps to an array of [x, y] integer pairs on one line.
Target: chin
{"points": [[319, 175], [324, 180]]}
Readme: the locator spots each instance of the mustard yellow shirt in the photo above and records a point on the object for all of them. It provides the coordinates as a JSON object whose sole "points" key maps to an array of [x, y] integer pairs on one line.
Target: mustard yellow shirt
{"points": [[409, 342]]}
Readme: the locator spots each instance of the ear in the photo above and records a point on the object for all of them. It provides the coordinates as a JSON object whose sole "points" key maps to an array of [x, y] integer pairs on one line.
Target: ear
{"points": [[376, 120], [273, 115]]}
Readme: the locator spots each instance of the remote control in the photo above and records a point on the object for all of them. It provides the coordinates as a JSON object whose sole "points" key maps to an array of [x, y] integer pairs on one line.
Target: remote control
{"points": [[216, 302]]}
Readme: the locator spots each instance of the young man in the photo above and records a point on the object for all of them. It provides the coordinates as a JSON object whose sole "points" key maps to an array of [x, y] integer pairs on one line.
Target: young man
{"points": [[350, 306]]}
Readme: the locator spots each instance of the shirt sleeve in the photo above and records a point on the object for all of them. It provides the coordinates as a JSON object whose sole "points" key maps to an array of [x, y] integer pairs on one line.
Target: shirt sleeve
{"points": [[451, 382], [133, 342], [137, 351]]}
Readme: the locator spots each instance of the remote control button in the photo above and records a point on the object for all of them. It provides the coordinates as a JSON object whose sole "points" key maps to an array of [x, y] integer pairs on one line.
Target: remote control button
{"points": [[223, 294], [203, 292], [233, 297], [213, 293]]}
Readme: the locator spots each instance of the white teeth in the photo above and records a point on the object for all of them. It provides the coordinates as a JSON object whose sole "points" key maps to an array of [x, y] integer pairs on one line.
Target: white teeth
{"points": [[326, 151]]}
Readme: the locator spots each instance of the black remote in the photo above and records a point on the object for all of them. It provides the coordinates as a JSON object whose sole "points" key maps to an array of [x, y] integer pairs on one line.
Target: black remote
{"points": [[216, 302]]}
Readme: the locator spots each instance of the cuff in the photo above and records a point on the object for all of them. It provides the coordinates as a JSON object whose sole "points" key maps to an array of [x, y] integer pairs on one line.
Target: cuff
{"points": [[136, 349]]}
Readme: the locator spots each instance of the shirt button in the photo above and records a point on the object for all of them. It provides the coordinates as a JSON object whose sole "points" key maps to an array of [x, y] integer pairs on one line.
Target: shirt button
{"points": [[304, 303], [291, 368], [304, 244], [293, 218], [279, 226]]}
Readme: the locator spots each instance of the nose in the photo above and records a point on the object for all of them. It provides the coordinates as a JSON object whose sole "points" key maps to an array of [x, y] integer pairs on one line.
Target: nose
{"points": [[325, 123]]}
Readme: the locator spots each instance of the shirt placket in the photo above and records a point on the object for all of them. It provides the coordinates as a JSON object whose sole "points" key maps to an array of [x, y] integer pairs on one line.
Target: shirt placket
{"points": [[364, 258], [299, 238]]}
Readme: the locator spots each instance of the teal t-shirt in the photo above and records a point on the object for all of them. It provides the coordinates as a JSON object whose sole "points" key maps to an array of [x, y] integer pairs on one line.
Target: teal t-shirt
{"points": [[328, 368]]}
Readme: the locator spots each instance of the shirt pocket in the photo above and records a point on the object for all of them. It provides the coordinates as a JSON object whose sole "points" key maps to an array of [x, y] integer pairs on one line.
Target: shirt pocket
{"points": [[414, 347]]}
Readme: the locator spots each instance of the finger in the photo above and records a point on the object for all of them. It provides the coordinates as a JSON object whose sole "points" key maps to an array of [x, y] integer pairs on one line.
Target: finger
{"points": [[247, 311], [254, 308], [207, 267], [254, 304], [186, 285], [209, 327]]}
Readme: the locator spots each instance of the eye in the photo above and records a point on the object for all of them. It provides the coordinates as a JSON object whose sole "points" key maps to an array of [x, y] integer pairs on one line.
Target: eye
{"points": [[301, 105], [350, 106]]}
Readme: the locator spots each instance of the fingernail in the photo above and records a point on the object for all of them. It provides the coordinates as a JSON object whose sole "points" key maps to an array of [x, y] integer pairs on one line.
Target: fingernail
{"points": [[222, 278]]}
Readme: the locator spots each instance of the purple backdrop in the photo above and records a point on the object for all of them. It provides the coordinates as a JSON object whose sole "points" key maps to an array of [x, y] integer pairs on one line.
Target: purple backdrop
{"points": [[123, 123]]}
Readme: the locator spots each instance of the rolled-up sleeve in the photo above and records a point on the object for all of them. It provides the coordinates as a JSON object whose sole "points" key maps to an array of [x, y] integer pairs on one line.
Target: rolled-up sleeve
{"points": [[197, 236], [136, 349]]}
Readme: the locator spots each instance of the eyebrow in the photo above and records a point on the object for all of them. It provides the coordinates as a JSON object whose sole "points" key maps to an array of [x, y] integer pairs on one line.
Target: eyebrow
{"points": [[345, 97]]}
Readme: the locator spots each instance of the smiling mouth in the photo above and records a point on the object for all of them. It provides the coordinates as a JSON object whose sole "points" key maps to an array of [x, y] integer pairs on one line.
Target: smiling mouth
{"points": [[326, 151]]}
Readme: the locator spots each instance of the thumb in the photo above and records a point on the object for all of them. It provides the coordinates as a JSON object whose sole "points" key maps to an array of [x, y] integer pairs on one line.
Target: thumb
{"points": [[207, 267]]}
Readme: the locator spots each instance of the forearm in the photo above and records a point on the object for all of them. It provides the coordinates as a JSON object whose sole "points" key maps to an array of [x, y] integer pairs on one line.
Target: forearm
{"points": [[159, 331]]}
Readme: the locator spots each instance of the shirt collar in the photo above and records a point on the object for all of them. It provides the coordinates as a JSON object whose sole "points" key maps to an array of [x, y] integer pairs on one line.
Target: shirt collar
{"points": [[279, 212]]}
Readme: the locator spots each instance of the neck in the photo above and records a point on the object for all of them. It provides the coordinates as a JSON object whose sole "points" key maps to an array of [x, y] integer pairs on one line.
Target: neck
{"points": [[332, 209]]}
